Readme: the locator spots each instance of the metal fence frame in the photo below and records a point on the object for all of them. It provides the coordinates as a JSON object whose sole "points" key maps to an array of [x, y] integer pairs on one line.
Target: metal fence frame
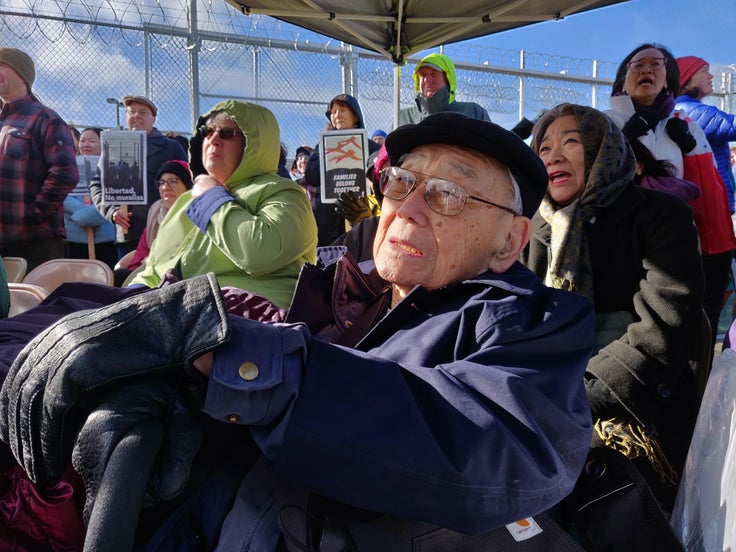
{"points": [[190, 54]]}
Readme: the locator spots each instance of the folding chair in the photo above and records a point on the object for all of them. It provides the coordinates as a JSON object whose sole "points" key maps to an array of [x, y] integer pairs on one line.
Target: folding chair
{"points": [[15, 268], [24, 297], [51, 274]]}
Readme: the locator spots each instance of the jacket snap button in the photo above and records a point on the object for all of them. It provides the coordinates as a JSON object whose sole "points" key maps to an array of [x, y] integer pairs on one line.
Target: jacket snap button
{"points": [[664, 390], [232, 418], [248, 371]]}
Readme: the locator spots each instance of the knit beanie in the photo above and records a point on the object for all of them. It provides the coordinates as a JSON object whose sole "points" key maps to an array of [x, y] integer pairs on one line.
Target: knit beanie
{"points": [[21, 63], [179, 168], [688, 66]]}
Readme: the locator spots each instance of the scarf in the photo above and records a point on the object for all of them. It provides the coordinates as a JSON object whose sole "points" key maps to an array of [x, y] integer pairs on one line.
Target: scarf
{"points": [[609, 168]]}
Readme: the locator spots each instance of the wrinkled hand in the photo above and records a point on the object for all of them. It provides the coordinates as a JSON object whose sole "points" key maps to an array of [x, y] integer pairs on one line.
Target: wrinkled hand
{"points": [[75, 365], [640, 123], [353, 207], [204, 182], [173, 402], [679, 131]]}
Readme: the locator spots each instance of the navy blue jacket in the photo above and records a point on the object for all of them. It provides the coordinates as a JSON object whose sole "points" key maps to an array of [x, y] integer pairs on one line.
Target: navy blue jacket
{"points": [[463, 407]]}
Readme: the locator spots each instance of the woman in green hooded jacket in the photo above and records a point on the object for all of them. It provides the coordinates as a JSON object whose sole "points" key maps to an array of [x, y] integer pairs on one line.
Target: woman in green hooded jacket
{"points": [[251, 227]]}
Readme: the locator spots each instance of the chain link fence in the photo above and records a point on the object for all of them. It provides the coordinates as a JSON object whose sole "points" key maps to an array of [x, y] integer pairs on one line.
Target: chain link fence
{"points": [[186, 55]]}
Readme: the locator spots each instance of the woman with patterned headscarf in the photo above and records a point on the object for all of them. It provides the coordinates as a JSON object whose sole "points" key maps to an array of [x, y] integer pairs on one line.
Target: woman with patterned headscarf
{"points": [[634, 253]]}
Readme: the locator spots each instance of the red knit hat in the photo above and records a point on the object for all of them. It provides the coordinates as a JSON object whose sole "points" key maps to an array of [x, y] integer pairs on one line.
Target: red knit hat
{"points": [[688, 66]]}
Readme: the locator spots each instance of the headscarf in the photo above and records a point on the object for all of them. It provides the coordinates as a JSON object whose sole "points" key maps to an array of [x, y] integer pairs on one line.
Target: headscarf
{"points": [[609, 167]]}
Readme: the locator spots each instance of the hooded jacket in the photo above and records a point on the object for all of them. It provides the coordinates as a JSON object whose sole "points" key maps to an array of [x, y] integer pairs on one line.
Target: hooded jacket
{"points": [[255, 233], [330, 224], [442, 100], [719, 128]]}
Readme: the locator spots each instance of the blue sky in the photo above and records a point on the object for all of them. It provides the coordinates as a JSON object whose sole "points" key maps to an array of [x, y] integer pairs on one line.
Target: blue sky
{"points": [[705, 28]]}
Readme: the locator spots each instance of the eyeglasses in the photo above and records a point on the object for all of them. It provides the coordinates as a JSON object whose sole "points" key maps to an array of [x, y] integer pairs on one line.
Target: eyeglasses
{"points": [[171, 183], [224, 133], [655, 64], [442, 196]]}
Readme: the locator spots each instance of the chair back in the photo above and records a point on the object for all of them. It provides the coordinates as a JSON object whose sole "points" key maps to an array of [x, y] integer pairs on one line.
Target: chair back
{"points": [[125, 260], [51, 274], [24, 297], [15, 268]]}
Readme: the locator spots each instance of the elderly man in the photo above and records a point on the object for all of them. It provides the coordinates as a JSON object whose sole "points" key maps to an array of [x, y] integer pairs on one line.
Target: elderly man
{"points": [[433, 397], [140, 114], [435, 86], [38, 167]]}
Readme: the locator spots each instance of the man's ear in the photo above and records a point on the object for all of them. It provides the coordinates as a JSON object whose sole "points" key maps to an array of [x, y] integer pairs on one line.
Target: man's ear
{"points": [[516, 240]]}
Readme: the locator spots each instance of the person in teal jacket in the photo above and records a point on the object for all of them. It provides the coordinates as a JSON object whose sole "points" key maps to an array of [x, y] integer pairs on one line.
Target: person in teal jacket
{"points": [[251, 227], [435, 85]]}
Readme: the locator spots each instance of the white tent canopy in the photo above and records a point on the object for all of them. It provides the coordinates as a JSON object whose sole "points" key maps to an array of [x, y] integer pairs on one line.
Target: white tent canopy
{"points": [[399, 28]]}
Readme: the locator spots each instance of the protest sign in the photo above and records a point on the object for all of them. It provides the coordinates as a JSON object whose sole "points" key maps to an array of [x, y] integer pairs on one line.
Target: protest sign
{"points": [[123, 167], [343, 160]]}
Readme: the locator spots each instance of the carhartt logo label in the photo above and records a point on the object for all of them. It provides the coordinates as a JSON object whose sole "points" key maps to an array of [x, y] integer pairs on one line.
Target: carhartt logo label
{"points": [[524, 529]]}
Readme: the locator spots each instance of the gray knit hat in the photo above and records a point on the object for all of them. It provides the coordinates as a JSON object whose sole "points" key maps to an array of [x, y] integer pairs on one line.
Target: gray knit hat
{"points": [[21, 63]]}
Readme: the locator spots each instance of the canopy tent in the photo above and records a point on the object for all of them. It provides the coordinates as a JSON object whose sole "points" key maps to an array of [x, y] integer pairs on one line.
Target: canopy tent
{"points": [[399, 28]]}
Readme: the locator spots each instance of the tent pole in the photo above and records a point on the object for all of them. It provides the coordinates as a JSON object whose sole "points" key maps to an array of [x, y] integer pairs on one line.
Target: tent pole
{"points": [[397, 93]]}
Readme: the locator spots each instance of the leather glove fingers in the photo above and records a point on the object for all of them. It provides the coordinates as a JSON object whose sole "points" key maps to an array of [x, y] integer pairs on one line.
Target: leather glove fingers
{"points": [[175, 404], [64, 373]]}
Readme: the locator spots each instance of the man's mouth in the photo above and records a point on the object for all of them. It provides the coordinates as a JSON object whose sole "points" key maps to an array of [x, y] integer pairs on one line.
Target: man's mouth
{"points": [[413, 251]]}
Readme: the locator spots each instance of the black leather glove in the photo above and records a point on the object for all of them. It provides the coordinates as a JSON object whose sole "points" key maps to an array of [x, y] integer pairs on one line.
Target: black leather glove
{"points": [[678, 130], [172, 402], [75, 365], [640, 123], [353, 207]]}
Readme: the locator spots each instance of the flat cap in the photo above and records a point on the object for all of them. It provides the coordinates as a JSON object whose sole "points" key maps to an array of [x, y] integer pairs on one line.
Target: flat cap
{"points": [[486, 138]]}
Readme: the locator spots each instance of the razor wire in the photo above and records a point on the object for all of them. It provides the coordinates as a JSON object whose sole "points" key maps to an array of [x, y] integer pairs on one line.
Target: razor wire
{"points": [[186, 55]]}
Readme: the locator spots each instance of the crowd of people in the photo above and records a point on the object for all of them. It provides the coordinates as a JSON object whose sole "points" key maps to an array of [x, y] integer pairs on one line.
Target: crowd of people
{"points": [[391, 369]]}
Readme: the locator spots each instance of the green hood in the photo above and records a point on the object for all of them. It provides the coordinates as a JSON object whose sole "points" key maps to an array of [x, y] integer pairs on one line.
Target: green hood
{"points": [[444, 63], [263, 146]]}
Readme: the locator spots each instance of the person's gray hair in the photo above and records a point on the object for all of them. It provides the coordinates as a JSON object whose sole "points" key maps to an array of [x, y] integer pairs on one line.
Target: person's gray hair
{"points": [[516, 204]]}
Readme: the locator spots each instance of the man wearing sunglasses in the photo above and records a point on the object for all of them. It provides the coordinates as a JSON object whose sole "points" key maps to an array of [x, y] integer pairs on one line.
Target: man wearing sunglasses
{"points": [[428, 401], [140, 114]]}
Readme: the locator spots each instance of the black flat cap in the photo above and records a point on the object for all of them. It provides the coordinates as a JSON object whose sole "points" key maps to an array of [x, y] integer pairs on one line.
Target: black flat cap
{"points": [[486, 138]]}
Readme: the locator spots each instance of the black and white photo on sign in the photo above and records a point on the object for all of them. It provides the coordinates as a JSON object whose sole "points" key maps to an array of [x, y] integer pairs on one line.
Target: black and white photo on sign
{"points": [[87, 166], [123, 167], [343, 160]]}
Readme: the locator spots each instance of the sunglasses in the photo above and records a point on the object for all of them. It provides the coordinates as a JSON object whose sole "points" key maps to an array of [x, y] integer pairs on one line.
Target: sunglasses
{"points": [[224, 133]]}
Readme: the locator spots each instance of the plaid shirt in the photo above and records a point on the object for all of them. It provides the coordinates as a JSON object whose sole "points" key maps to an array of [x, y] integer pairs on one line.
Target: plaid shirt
{"points": [[38, 169]]}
